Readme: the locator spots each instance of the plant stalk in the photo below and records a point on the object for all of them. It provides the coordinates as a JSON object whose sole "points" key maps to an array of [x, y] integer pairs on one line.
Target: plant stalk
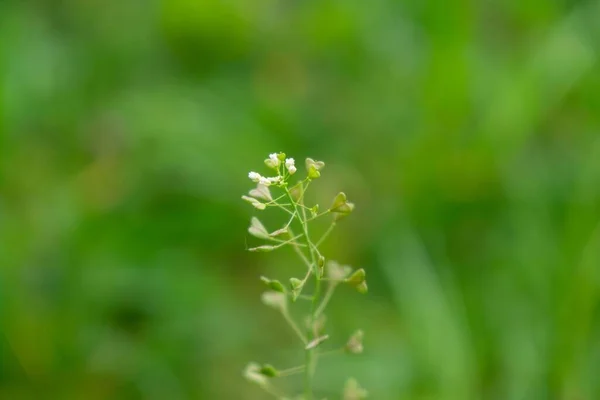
{"points": [[310, 354]]}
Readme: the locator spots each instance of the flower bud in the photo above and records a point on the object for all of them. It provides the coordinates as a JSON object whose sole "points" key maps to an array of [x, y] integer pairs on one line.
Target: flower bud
{"points": [[290, 165], [254, 176], [264, 181], [321, 265], [273, 161]]}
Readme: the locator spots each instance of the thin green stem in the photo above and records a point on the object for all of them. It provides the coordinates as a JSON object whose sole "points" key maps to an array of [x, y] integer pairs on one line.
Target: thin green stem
{"points": [[302, 297], [331, 352], [274, 201], [325, 301], [299, 251], [291, 371], [284, 209], [311, 354], [294, 326], [306, 278], [318, 216], [290, 241], [327, 232], [310, 359]]}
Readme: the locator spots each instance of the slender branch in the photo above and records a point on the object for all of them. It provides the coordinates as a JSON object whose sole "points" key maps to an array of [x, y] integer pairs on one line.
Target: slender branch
{"points": [[318, 216], [294, 326], [325, 301], [299, 252], [274, 201], [306, 278], [331, 352], [291, 371], [284, 209], [291, 220], [310, 359], [302, 297], [291, 241], [327, 232]]}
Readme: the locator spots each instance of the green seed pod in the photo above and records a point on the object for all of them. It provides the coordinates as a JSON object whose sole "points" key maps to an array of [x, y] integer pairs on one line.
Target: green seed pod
{"points": [[273, 284], [257, 229], [357, 277], [362, 287], [262, 249], [269, 371]]}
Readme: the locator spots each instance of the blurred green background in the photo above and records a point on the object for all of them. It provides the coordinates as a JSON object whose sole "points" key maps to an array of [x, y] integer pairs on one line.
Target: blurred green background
{"points": [[467, 134]]}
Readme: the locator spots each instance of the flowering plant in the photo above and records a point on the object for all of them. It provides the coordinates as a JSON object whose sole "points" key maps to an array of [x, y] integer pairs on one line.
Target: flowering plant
{"points": [[319, 272]]}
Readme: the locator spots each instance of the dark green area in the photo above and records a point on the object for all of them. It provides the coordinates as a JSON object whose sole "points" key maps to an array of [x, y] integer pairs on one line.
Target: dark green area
{"points": [[467, 134]]}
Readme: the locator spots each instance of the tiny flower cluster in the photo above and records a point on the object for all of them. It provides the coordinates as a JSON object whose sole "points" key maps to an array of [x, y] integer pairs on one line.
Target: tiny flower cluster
{"points": [[275, 161], [258, 178], [289, 164]]}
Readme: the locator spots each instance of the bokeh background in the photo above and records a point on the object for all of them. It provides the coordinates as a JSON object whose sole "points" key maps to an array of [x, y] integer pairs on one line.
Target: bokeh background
{"points": [[467, 133]]}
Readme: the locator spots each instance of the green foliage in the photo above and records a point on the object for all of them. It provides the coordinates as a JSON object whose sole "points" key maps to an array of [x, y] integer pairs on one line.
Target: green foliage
{"points": [[467, 132]]}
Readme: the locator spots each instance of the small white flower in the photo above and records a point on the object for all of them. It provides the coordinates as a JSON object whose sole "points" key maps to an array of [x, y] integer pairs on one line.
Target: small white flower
{"points": [[273, 157], [254, 176], [289, 164], [264, 181]]}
